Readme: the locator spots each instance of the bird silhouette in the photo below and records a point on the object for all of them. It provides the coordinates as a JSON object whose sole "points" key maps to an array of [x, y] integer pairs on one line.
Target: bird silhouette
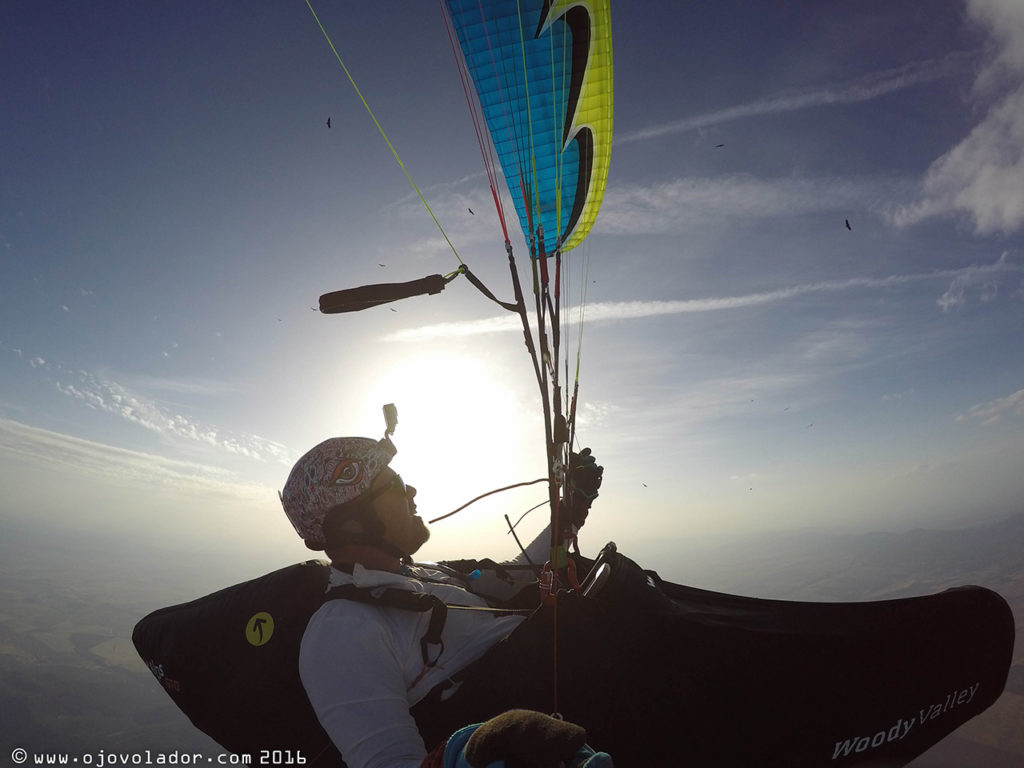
{"points": [[848, 224], [719, 146], [328, 122], [471, 212]]}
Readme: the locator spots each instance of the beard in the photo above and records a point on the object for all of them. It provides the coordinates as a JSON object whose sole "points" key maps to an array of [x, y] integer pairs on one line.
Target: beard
{"points": [[419, 534]]}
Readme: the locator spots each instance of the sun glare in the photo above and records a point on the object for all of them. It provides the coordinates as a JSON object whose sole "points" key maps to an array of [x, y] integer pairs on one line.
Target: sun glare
{"points": [[463, 431]]}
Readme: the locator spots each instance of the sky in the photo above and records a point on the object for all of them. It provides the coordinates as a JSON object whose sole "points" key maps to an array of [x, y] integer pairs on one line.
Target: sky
{"points": [[172, 205]]}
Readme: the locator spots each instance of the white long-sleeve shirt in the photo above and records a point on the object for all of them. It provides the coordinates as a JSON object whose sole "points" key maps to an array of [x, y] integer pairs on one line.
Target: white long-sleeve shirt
{"points": [[362, 665]]}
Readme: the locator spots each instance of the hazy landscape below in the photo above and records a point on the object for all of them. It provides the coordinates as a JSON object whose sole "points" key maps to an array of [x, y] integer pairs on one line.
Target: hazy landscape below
{"points": [[71, 682]]}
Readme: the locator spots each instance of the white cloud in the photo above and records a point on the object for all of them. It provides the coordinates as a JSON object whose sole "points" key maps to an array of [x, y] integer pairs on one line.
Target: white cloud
{"points": [[980, 278], [896, 397], [186, 386], [593, 415], [679, 206], [995, 410], [862, 89], [1005, 20], [465, 207], [488, 325], [113, 397], [101, 393], [57, 453], [983, 176], [633, 310]]}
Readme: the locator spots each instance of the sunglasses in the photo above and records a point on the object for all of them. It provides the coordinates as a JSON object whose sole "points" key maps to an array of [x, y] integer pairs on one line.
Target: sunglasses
{"points": [[394, 482], [362, 503]]}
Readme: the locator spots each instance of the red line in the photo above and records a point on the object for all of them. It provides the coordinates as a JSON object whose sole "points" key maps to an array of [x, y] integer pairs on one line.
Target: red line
{"points": [[481, 140]]}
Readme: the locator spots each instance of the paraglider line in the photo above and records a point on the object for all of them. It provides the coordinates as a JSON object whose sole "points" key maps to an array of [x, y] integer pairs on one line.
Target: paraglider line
{"points": [[485, 495], [382, 133], [476, 115], [512, 530]]}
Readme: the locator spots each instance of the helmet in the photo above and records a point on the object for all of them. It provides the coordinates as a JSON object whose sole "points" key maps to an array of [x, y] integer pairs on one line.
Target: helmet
{"points": [[336, 471]]}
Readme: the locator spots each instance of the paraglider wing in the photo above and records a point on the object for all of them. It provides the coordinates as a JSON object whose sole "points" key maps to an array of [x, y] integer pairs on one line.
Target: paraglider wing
{"points": [[542, 72]]}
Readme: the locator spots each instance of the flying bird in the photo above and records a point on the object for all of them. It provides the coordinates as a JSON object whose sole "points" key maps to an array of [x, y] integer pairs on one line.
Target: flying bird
{"points": [[328, 122], [381, 265], [719, 146], [848, 225], [471, 212]]}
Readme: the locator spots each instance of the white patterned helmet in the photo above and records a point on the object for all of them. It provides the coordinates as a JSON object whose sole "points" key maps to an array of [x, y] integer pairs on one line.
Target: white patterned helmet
{"points": [[336, 471]]}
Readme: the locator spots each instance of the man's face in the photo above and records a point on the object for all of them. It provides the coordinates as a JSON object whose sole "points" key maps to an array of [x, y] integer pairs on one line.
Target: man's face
{"points": [[396, 508]]}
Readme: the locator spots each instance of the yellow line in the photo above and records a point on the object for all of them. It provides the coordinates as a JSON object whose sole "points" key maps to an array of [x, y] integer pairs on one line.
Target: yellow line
{"points": [[379, 128]]}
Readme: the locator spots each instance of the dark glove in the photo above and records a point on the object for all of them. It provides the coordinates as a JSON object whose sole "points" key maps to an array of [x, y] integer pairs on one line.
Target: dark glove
{"points": [[525, 739], [585, 476], [518, 738]]}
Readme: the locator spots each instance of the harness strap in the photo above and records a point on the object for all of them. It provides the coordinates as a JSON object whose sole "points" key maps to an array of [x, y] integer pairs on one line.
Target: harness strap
{"points": [[418, 602]]}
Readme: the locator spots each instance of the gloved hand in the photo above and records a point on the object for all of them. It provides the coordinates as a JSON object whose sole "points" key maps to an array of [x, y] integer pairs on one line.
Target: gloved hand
{"points": [[521, 738], [584, 480]]}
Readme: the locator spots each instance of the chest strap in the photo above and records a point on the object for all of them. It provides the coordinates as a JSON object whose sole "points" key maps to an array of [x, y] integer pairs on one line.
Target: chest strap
{"points": [[417, 602]]}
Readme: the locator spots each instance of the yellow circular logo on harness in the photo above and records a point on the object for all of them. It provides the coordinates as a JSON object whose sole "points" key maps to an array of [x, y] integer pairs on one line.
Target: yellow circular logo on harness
{"points": [[260, 628]]}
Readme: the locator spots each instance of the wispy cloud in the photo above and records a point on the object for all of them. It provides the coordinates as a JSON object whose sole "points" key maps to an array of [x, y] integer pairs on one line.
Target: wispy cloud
{"points": [[995, 410], [983, 280], [464, 210], [672, 207], [184, 386], [131, 403], [983, 175], [681, 205], [104, 394], [634, 310], [898, 397], [53, 451], [411, 204], [685, 412], [862, 89]]}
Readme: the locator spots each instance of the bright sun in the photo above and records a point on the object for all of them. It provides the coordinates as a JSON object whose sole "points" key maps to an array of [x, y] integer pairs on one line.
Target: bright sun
{"points": [[462, 431]]}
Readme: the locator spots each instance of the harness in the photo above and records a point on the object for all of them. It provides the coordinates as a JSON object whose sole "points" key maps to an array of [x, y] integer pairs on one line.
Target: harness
{"points": [[417, 602], [229, 660]]}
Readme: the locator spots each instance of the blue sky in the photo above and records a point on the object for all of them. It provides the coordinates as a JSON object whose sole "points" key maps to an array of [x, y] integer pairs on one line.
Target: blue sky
{"points": [[172, 204]]}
